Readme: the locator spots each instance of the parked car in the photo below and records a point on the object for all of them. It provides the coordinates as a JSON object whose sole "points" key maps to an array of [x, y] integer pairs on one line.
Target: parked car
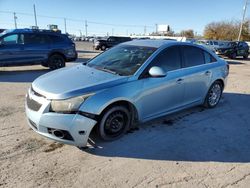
{"points": [[27, 46], [133, 82], [233, 50], [2, 30], [210, 44], [110, 42]]}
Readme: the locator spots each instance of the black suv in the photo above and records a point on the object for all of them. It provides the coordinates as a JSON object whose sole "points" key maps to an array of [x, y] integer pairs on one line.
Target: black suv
{"points": [[234, 49], [27, 46], [110, 42]]}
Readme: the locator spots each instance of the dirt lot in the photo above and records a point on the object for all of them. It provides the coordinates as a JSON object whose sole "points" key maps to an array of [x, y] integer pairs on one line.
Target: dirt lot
{"points": [[194, 148]]}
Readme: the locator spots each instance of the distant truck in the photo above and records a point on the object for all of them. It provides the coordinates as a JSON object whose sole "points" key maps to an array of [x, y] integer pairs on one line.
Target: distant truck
{"points": [[110, 42]]}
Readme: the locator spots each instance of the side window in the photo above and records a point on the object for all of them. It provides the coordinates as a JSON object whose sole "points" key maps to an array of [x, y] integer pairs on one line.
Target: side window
{"points": [[35, 39], [112, 39], [169, 59], [193, 56], [240, 44], [10, 39], [56, 39], [208, 57]]}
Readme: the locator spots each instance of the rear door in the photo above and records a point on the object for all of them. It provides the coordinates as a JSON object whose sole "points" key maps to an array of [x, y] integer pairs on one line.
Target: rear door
{"points": [[36, 46], [198, 73], [242, 49], [11, 49]]}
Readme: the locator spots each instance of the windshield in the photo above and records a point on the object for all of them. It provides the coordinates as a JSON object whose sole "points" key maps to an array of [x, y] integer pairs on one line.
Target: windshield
{"points": [[122, 60]]}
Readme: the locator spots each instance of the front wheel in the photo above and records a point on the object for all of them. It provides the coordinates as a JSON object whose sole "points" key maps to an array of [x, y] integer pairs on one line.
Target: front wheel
{"points": [[213, 95], [56, 61], [246, 56], [114, 123], [233, 55]]}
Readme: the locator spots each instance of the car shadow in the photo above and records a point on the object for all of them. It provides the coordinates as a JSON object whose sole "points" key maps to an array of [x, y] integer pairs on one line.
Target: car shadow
{"points": [[81, 60], [21, 75], [220, 134], [231, 62]]}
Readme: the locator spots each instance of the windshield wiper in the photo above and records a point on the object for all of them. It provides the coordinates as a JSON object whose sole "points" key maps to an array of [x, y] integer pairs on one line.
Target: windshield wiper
{"points": [[107, 70]]}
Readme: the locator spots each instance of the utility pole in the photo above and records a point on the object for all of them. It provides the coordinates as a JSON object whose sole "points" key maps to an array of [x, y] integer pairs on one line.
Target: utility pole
{"points": [[112, 31], [34, 7], [86, 28], [243, 18], [15, 18], [65, 25], [145, 30], [156, 28]]}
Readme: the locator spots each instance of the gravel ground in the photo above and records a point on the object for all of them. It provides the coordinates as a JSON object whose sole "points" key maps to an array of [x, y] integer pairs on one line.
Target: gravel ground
{"points": [[194, 148]]}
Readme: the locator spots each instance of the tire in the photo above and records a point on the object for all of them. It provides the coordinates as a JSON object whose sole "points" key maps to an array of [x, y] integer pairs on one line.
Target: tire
{"points": [[114, 123], [103, 47], [56, 61], [233, 56], [246, 56], [213, 95]]}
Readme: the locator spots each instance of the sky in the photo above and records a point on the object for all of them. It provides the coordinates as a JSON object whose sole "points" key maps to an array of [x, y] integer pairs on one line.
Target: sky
{"points": [[120, 17]]}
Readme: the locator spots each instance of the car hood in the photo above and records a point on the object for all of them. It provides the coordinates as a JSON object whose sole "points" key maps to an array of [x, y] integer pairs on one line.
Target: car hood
{"points": [[74, 81]]}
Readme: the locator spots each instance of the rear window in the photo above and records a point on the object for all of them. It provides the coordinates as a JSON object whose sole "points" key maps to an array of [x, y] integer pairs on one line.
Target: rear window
{"points": [[208, 57], [56, 38], [193, 56], [35, 39]]}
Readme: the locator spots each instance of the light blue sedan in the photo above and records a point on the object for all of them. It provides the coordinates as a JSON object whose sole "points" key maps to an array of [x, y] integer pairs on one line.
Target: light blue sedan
{"points": [[131, 83]]}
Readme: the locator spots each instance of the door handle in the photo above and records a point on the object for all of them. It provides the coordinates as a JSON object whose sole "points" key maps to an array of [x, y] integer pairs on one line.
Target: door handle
{"points": [[179, 81], [207, 73]]}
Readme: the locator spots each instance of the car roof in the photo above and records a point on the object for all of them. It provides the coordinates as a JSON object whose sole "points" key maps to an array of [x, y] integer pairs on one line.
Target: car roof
{"points": [[155, 43], [30, 31]]}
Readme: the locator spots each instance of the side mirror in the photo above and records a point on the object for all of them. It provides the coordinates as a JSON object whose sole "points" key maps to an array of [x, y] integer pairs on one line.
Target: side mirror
{"points": [[156, 72]]}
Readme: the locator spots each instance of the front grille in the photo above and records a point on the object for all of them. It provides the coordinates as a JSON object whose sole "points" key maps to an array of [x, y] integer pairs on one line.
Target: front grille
{"points": [[32, 104], [33, 124]]}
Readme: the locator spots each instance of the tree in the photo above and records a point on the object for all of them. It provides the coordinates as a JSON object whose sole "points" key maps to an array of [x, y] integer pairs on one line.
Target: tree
{"points": [[187, 33], [226, 30]]}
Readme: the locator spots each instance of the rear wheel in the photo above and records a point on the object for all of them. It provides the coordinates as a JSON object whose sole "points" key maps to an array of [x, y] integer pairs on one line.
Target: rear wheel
{"points": [[56, 61], [114, 123], [246, 56], [103, 47], [213, 95]]}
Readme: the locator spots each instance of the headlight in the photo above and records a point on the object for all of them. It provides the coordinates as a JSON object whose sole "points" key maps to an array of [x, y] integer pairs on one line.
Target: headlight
{"points": [[68, 105]]}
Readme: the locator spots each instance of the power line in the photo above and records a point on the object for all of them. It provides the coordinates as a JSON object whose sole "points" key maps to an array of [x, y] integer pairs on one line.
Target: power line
{"points": [[78, 20]]}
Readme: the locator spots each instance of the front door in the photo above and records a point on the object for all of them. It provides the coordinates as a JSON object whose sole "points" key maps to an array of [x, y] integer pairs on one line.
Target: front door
{"points": [[163, 94], [11, 50]]}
